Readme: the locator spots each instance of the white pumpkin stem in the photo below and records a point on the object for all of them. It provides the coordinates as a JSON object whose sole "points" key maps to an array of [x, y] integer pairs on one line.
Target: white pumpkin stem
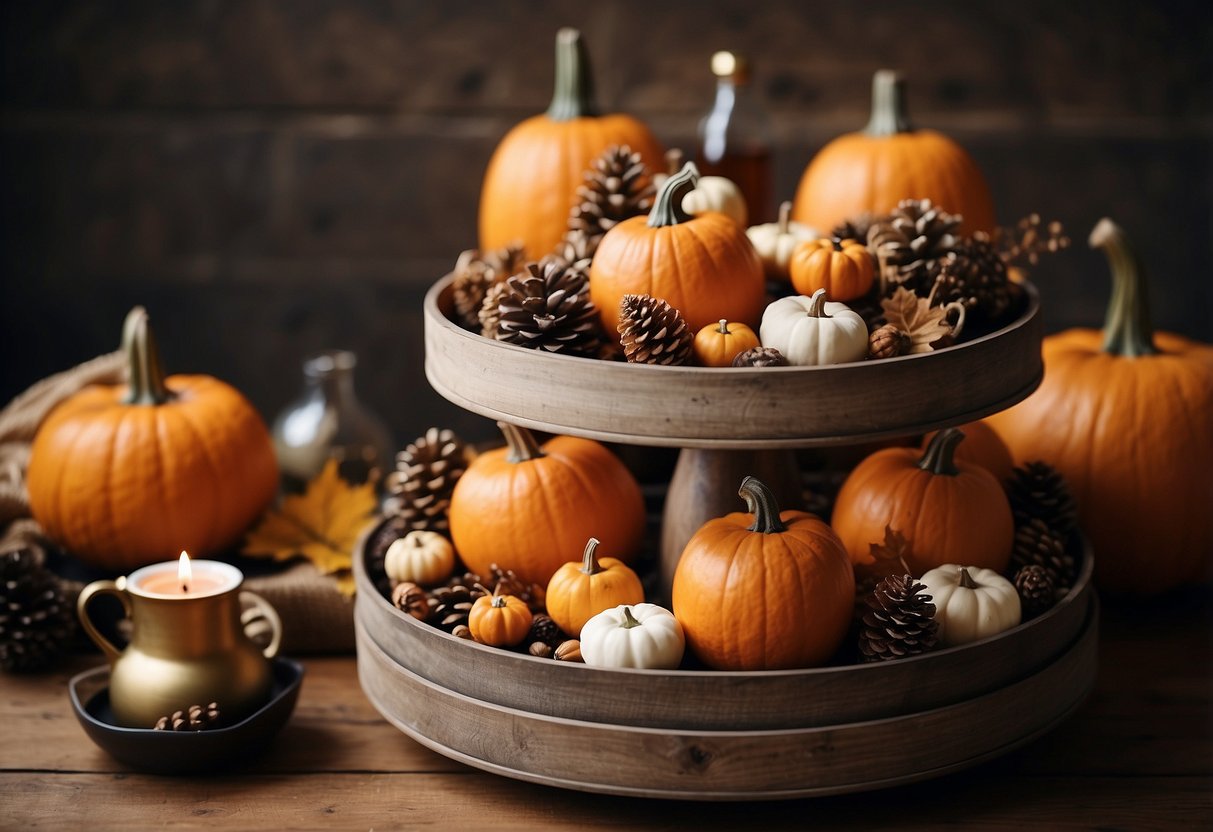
{"points": [[589, 563], [785, 215], [817, 305], [521, 442], [966, 580], [629, 620], [1127, 328]]}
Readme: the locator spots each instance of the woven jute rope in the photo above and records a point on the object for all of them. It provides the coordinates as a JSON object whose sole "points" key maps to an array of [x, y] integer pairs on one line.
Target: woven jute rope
{"points": [[316, 618]]}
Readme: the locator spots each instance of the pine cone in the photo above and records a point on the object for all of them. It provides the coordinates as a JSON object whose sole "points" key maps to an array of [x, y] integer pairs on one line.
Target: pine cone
{"points": [[974, 274], [37, 620], [900, 621], [490, 310], [618, 186], [507, 582], [475, 275], [760, 357], [888, 342], [548, 307], [855, 228], [1038, 491], [653, 332], [910, 242], [419, 490], [450, 604], [575, 247], [193, 718], [1037, 545], [1036, 591], [545, 630]]}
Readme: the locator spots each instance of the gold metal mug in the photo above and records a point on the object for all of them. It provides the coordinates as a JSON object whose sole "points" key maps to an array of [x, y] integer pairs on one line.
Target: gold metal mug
{"points": [[185, 650]]}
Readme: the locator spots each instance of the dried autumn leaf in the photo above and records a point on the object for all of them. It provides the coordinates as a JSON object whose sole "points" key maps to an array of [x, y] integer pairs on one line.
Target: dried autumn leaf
{"points": [[323, 525], [890, 557], [916, 317]]}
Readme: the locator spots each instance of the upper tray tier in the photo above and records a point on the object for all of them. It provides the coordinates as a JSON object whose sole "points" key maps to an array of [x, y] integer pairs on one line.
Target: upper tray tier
{"points": [[696, 407]]}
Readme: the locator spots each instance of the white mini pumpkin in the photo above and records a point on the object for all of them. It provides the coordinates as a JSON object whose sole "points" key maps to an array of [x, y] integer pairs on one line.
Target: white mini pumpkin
{"points": [[971, 603], [715, 193], [423, 557], [774, 242], [812, 331], [636, 635]]}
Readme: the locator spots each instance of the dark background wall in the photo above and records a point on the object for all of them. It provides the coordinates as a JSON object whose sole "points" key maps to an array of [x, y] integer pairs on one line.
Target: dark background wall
{"points": [[275, 178]]}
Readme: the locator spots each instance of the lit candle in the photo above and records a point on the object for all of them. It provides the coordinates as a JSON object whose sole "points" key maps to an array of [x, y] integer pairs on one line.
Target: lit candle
{"points": [[184, 579]]}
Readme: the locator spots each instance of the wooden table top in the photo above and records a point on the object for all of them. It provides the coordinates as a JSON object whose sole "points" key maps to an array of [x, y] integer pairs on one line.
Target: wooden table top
{"points": [[1138, 755]]}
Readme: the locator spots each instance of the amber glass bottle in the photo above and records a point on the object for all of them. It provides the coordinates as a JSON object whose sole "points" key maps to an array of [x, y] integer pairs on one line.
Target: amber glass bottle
{"points": [[735, 137]]}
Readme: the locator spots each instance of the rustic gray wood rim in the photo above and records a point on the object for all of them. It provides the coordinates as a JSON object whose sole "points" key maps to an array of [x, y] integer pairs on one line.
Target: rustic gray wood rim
{"points": [[779, 407]]}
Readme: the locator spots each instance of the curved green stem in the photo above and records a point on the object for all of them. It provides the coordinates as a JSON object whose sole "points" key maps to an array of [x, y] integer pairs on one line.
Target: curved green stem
{"points": [[521, 442], [1127, 329], [589, 564], [939, 457], [761, 502], [146, 373], [629, 620], [889, 115], [966, 580], [667, 209], [573, 94], [817, 305]]}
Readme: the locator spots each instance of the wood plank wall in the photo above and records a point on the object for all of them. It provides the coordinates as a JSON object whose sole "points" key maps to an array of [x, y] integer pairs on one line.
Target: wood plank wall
{"points": [[274, 178]]}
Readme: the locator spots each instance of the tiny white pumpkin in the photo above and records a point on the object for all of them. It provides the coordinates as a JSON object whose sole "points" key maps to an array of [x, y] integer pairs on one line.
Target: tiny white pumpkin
{"points": [[715, 193], [774, 242], [812, 331], [423, 557], [971, 603], [635, 635]]}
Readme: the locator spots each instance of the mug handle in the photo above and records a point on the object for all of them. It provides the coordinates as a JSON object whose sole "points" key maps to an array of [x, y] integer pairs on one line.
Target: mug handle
{"points": [[260, 609], [90, 592]]}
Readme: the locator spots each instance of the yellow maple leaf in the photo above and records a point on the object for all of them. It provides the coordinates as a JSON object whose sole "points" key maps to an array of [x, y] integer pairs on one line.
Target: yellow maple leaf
{"points": [[323, 524]]}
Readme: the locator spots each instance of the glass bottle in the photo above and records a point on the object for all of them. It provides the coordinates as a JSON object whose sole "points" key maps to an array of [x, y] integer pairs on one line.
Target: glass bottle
{"points": [[735, 137], [328, 422]]}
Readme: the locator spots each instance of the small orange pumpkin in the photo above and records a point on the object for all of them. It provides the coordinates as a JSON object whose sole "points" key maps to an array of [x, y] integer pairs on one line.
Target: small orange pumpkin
{"points": [[704, 266], [950, 511], [982, 446], [524, 507], [1124, 415], [122, 476], [582, 589], [844, 268], [499, 620], [716, 345], [764, 590], [887, 162], [531, 181]]}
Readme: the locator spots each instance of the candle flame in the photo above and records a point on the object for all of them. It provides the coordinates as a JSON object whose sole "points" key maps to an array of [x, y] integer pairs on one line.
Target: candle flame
{"points": [[184, 573]]}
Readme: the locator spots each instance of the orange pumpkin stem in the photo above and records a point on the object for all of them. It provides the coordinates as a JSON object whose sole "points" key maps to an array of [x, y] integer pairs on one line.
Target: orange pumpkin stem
{"points": [[498, 600], [966, 580], [761, 502], [589, 564], [817, 305], [837, 243], [522, 444], [889, 114], [673, 160], [629, 620], [667, 209], [146, 374], [785, 215], [723, 327], [573, 95], [1127, 329], [939, 457]]}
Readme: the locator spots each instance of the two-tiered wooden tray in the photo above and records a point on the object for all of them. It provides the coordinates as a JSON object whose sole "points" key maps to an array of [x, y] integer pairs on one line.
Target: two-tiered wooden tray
{"points": [[736, 735]]}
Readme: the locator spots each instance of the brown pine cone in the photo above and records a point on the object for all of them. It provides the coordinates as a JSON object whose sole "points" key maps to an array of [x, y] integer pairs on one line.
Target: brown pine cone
{"points": [[37, 619], [617, 186], [507, 582], [900, 620], [576, 248], [548, 307], [490, 311], [976, 276], [855, 228], [1036, 591], [193, 718], [410, 598], [909, 243], [1038, 545], [760, 357], [1038, 491], [888, 342], [544, 629], [475, 275], [451, 604], [653, 332]]}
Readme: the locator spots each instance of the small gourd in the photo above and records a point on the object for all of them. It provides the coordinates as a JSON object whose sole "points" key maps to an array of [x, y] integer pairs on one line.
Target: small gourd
{"points": [[715, 193], [500, 620], [642, 636], [775, 242], [581, 589], [971, 603], [844, 268], [811, 330], [716, 345], [423, 557]]}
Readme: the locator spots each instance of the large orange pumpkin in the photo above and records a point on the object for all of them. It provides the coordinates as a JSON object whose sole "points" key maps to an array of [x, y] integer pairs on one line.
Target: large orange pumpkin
{"points": [[127, 475], [950, 511], [530, 509], [764, 590], [1126, 416], [531, 181], [704, 266], [873, 170]]}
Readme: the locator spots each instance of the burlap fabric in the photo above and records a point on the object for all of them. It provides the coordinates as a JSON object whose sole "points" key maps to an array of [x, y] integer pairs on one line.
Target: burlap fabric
{"points": [[316, 618]]}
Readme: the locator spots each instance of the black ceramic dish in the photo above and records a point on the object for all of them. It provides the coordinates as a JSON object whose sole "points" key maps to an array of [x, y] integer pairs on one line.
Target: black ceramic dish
{"points": [[184, 752]]}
